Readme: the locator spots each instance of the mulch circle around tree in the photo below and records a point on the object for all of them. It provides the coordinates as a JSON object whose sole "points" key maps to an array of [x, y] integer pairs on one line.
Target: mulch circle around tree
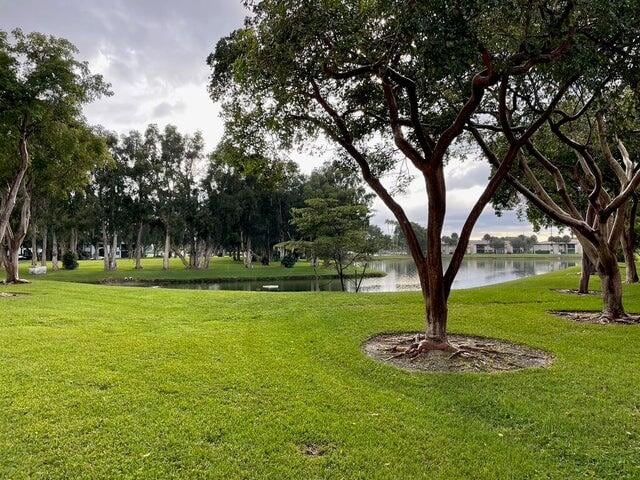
{"points": [[471, 354], [597, 318], [573, 291]]}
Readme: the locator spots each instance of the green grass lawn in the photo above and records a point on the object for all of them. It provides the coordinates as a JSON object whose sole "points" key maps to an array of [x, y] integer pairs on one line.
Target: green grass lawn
{"points": [[103, 382], [221, 269]]}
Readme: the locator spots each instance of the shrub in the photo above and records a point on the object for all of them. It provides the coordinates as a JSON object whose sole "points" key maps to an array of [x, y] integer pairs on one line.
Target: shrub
{"points": [[70, 261], [289, 260]]}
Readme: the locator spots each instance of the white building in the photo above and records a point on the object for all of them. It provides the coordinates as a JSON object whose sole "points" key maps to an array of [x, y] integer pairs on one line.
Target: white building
{"points": [[484, 246], [572, 247]]}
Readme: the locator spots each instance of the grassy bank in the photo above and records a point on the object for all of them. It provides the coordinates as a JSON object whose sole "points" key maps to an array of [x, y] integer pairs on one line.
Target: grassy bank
{"points": [[111, 382], [221, 270]]}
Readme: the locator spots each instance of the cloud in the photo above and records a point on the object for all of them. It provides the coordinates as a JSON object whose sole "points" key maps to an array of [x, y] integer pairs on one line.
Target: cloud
{"points": [[153, 52], [164, 109]]}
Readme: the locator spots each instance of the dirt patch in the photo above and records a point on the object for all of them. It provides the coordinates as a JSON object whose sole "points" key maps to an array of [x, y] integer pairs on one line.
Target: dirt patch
{"points": [[314, 449], [597, 318], [472, 354], [573, 291]]}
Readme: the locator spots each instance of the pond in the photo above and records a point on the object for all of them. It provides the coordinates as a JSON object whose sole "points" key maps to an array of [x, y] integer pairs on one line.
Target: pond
{"points": [[401, 276]]}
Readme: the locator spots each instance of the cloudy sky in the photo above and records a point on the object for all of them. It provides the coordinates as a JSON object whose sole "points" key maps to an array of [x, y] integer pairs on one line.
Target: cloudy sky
{"points": [[153, 53]]}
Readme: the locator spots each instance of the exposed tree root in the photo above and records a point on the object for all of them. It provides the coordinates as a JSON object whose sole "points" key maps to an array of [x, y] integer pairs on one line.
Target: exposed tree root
{"points": [[420, 345], [599, 318], [459, 353], [19, 281], [569, 291]]}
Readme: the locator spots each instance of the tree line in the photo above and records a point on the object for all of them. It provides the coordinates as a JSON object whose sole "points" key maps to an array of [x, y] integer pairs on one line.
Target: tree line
{"points": [[69, 188]]}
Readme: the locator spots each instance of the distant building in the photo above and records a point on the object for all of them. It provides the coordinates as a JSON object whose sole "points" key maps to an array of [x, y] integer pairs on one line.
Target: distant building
{"points": [[89, 251], [572, 247], [484, 246]]}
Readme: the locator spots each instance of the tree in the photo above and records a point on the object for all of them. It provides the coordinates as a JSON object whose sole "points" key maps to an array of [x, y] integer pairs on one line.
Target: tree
{"points": [[596, 206], [384, 76], [113, 201], [138, 151], [523, 244], [451, 240], [497, 244], [41, 84], [62, 157], [249, 197], [420, 233], [338, 234]]}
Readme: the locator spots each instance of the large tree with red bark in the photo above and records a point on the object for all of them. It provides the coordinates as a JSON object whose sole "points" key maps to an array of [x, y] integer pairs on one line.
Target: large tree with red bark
{"points": [[393, 81], [581, 171]]}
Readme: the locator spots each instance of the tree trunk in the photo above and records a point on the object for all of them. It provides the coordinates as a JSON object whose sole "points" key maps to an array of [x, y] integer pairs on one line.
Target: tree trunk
{"points": [[338, 264], [73, 242], [437, 310], [193, 254], [43, 256], [629, 259], [183, 259], [6, 209], [585, 275], [206, 261], [11, 264], [105, 248], [54, 251], [167, 248], [629, 236], [34, 245], [14, 242], [113, 261], [611, 280], [139, 247], [247, 256]]}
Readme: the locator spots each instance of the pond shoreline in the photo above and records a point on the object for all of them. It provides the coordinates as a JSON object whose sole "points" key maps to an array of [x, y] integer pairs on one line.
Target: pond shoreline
{"points": [[144, 282]]}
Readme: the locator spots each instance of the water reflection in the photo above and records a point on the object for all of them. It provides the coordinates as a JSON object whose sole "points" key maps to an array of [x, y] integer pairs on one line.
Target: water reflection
{"points": [[401, 276]]}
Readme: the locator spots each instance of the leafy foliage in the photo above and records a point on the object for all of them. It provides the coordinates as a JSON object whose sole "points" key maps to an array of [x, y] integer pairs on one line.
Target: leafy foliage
{"points": [[70, 260]]}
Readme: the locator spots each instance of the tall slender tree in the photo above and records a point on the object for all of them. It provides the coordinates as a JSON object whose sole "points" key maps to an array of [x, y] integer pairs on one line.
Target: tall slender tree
{"points": [[42, 84]]}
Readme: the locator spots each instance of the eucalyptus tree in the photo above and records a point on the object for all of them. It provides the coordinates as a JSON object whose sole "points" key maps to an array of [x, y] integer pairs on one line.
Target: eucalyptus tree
{"points": [[111, 189], [249, 197], [188, 203], [138, 150], [220, 186], [393, 81], [42, 84], [62, 158], [167, 160]]}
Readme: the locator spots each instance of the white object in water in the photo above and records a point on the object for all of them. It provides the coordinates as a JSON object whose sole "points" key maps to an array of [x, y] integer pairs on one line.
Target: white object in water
{"points": [[38, 270], [270, 287]]}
